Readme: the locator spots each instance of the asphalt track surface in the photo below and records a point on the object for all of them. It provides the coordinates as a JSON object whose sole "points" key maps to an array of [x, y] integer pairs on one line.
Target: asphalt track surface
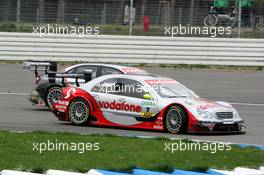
{"points": [[244, 89]]}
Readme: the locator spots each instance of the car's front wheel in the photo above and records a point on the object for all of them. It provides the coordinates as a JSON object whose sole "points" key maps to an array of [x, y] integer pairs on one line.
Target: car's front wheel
{"points": [[176, 120], [79, 111]]}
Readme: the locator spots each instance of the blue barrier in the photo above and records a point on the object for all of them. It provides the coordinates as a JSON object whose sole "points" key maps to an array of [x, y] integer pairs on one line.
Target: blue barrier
{"points": [[182, 172], [147, 172], [249, 145], [244, 145], [260, 148], [104, 172]]}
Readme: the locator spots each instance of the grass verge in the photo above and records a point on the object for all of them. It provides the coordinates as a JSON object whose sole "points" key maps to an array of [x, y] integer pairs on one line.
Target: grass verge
{"points": [[115, 153]]}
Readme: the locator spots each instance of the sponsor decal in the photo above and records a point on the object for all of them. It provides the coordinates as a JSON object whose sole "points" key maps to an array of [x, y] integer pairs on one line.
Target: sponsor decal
{"points": [[157, 127], [69, 92], [209, 105], [147, 114], [149, 104], [188, 103], [132, 70], [63, 103], [158, 82], [122, 106], [60, 107], [211, 126]]}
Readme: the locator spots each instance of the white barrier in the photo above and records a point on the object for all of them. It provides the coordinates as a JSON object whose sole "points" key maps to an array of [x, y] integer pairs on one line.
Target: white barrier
{"points": [[221, 172], [237, 171], [132, 49], [94, 172], [58, 172], [10, 172], [246, 171]]}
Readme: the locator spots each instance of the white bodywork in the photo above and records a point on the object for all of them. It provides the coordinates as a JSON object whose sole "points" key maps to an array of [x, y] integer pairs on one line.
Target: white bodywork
{"points": [[203, 110]]}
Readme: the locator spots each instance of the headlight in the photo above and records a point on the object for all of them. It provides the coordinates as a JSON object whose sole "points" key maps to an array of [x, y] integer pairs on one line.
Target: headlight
{"points": [[235, 114], [204, 114]]}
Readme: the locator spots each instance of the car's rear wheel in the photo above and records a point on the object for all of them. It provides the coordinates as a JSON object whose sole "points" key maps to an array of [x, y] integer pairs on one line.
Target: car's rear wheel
{"points": [[54, 94], [79, 111], [176, 120]]}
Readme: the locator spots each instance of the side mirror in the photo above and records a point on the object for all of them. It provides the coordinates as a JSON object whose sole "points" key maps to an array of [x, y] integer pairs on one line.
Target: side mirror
{"points": [[147, 96]]}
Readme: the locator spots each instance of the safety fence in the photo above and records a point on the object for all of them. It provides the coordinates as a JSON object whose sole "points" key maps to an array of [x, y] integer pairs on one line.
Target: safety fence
{"points": [[114, 15], [132, 49]]}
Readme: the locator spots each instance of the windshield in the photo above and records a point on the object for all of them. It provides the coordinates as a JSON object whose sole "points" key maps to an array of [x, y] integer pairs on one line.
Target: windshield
{"points": [[173, 90]]}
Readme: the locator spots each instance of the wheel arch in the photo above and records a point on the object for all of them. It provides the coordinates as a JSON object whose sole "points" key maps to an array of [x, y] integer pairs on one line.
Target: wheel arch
{"points": [[82, 98], [48, 87], [186, 111], [177, 104]]}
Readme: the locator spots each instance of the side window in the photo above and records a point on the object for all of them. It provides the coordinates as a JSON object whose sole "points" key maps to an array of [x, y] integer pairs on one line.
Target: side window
{"points": [[72, 71], [109, 70], [131, 88], [83, 69], [107, 86]]}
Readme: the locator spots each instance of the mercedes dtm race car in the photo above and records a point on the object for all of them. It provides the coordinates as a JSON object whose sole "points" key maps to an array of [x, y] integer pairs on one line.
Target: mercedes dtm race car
{"points": [[48, 86], [146, 102]]}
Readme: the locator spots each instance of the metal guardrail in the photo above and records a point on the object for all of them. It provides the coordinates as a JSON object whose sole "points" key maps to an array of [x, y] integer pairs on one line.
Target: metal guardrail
{"points": [[132, 49]]}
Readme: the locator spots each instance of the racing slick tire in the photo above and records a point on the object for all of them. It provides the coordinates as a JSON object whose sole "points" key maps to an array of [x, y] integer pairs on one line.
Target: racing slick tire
{"points": [[53, 95], [79, 111], [176, 120]]}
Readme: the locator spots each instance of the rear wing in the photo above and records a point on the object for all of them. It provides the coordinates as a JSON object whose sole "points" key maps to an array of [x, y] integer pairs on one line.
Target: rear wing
{"points": [[37, 66], [54, 75], [50, 68]]}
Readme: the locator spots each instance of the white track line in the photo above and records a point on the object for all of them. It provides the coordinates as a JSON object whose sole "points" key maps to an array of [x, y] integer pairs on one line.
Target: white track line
{"points": [[6, 93]]}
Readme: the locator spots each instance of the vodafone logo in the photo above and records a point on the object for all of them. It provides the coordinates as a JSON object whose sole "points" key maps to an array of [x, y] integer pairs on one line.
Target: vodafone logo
{"points": [[120, 106]]}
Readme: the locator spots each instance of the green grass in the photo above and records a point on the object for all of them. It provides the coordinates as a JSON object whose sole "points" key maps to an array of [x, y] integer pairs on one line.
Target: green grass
{"points": [[115, 153]]}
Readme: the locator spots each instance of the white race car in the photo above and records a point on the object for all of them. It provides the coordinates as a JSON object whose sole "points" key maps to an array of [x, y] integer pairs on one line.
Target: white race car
{"points": [[146, 102]]}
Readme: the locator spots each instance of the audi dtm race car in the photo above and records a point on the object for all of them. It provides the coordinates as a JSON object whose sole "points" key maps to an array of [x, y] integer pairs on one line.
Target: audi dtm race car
{"points": [[145, 102], [48, 85]]}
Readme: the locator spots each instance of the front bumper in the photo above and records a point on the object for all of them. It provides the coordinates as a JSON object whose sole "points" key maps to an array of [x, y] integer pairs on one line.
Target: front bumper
{"points": [[60, 110], [60, 115], [218, 127], [35, 99]]}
